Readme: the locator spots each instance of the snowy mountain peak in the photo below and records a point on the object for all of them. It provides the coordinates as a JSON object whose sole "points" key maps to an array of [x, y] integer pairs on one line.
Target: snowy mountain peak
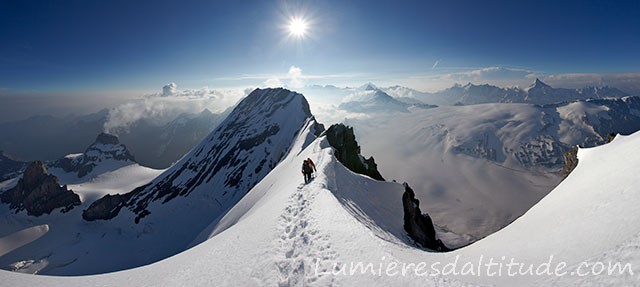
{"points": [[379, 94], [369, 87], [206, 112], [105, 138], [220, 170], [537, 84], [372, 101], [108, 147], [106, 152]]}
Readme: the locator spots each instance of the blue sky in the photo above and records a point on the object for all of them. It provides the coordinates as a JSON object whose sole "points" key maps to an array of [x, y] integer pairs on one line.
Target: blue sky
{"points": [[101, 46]]}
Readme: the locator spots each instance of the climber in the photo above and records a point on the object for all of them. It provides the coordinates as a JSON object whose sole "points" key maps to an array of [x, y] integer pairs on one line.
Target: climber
{"points": [[307, 168], [313, 165]]}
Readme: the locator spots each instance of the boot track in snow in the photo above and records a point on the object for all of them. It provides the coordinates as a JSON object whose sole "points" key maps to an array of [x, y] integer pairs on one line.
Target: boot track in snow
{"points": [[301, 244]]}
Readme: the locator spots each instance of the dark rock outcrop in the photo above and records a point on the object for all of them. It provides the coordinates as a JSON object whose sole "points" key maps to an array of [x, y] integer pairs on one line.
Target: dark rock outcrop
{"points": [[106, 208], [610, 138], [570, 160], [347, 151], [419, 225], [105, 138], [318, 129], [39, 192]]}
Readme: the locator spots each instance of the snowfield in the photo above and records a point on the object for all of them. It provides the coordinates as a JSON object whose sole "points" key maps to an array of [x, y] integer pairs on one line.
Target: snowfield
{"points": [[63, 237], [285, 233]]}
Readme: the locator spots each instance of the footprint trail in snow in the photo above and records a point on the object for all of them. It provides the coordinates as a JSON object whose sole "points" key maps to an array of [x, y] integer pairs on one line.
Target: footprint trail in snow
{"points": [[302, 245]]}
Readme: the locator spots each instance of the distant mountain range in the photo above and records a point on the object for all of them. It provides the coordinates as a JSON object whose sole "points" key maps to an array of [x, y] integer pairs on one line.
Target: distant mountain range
{"points": [[158, 146], [10, 166], [155, 145], [537, 93]]}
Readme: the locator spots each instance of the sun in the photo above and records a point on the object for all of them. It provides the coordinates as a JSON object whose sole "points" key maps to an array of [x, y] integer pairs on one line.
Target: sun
{"points": [[298, 27]]}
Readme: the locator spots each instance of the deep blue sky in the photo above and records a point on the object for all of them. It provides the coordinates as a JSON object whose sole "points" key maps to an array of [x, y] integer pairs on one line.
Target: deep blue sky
{"points": [[97, 45]]}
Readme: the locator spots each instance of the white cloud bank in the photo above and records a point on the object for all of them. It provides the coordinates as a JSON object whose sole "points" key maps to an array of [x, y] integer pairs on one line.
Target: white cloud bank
{"points": [[293, 79], [163, 107], [169, 90]]}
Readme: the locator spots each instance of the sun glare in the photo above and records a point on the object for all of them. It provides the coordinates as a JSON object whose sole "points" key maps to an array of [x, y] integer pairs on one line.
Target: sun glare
{"points": [[297, 27]]}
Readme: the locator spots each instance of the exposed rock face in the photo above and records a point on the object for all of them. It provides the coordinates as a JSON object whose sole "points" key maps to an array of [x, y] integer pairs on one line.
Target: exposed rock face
{"points": [[105, 138], [419, 225], [570, 160], [105, 148], [318, 128], [105, 208], [39, 192], [347, 151]]}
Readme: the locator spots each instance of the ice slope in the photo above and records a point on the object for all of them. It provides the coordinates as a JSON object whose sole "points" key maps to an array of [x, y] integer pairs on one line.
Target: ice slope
{"points": [[282, 230]]}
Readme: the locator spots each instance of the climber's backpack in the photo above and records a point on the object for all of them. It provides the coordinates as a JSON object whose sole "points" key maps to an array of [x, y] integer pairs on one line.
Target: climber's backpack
{"points": [[306, 168]]}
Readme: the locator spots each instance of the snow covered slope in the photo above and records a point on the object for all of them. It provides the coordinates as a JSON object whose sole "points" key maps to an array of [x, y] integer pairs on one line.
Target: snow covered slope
{"points": [[285, 233], [59, 240], [591, 216]]}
